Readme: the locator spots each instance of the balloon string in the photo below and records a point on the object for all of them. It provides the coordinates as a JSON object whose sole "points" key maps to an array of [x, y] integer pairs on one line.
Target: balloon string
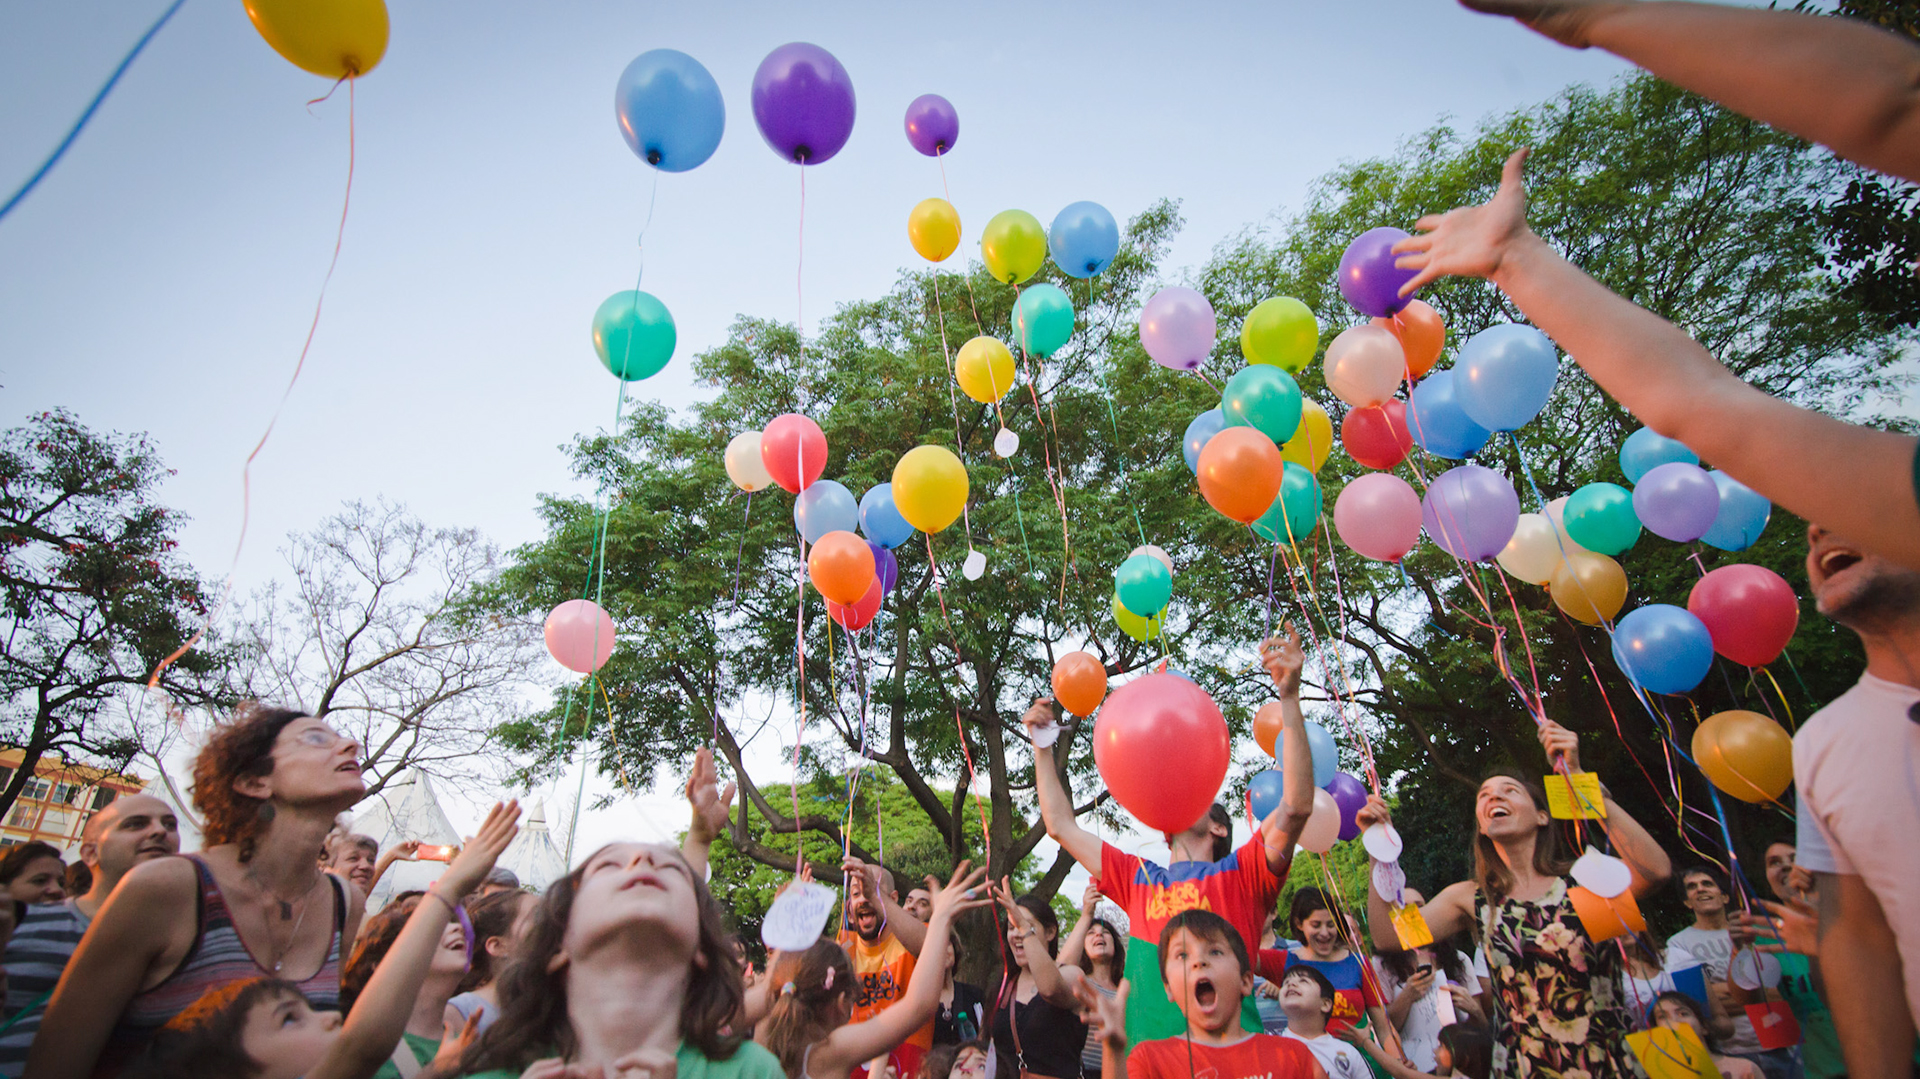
{"points": [[1054, 479], [1795, 669], [86, 115], [959, 728], [800, 686], [1119, 450], [597, 566], [739, 557], [1791, 724], [967, 277], [799, 288], [953, 400]]}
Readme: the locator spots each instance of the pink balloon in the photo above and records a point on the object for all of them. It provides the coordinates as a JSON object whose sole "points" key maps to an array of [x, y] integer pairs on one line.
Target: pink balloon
{"points": [[1162, 748], [580, 635], [1364, 365], [1749, 611], [1378, 515], [1323, 825], [1178, 328]]}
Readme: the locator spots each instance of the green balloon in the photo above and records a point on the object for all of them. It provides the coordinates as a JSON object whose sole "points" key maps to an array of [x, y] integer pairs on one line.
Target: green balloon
{"points": [[1142, 583], [1600, 518], [1140, 629], [1295, 510], [1280, 331], [1042, 320], [634, 335], [1264, 398]]}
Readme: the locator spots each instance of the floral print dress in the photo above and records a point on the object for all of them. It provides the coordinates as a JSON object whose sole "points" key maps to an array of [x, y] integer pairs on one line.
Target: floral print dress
{"points": [[1559, 993]]}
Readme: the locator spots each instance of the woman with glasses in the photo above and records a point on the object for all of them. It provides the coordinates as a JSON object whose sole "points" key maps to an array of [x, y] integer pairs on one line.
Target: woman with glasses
{"points": [[255, 903]]}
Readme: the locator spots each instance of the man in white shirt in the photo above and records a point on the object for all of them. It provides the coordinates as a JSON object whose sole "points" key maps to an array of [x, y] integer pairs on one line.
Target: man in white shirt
{"points": [[1856, 764], [1707, 943]]}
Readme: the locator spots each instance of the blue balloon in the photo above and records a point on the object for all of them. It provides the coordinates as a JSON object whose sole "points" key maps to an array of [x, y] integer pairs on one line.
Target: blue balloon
{"points": [[670, 110], [1084, 238], [822, 508], [1505, 375], [1264, 791], [1199, 433], [879, 520], [1645, 450], [885, 567], [1743, 515], [1326, 756], [1438, 423], [1663, 648]]}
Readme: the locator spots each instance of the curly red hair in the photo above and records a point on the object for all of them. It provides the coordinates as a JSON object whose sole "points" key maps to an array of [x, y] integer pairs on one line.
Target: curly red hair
{"points": [[240, 748]]}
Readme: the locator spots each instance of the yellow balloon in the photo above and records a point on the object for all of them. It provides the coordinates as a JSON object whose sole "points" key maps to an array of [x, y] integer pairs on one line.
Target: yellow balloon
{"points": [[930, 487], [335, 38], [984, 370], [1014, 246], [1313, 441], [1140, 629], [1590, 587], [1282, 331], [934, 229], [1745, 754]]}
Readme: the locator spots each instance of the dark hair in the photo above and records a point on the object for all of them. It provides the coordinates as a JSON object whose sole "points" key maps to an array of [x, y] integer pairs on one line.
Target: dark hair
{"points": [[1116, 966], [939, 1061], [1490, 872], [1699, 1011], [18, 858], [1317, 976], [1222, 844], [1471, 1047], [377, 935], [1305, 902], [1400, 964], [807, 988], [241, 748], [205, 1039], [79, 879], [492, 916], [1206, 925], [1702, 869], [533, 999], [1042, 912]]}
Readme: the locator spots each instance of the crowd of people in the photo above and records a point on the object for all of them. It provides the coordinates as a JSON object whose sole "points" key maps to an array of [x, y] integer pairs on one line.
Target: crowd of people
{"points": [[254, 955]]}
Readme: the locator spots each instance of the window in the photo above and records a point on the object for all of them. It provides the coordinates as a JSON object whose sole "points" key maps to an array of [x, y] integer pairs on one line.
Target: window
{"points": [[67, 793], [36, 789], [21, 817], [103, 797]]}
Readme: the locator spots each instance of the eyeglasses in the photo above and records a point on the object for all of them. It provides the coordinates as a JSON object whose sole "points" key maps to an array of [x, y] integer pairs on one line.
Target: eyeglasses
{"points": [[319, 738]]}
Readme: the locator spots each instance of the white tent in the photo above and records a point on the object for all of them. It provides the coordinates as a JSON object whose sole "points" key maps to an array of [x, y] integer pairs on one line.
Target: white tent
{"points": [[406, 809], [532, 855]]}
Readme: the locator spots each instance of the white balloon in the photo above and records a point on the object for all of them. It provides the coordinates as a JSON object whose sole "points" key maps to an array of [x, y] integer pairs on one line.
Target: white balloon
{"points": [[744, 466], [1323, 827], [1382, 842], [1533, 553], [1556, 512], [1602, 874], [1148, 548], [1364, 365], [975, 566], [1006, 443], [1390, 881]]}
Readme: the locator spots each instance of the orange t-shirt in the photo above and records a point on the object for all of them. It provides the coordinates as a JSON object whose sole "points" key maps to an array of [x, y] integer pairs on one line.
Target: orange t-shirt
{"points": [[1260, 1056], [882, 968]]}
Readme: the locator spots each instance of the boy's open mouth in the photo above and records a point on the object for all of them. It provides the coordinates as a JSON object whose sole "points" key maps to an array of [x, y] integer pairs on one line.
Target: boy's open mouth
{"points": [[1204, 993]]}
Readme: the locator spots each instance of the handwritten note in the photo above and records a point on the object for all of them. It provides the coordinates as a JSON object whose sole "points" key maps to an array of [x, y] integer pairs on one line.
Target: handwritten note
{"points": [[1575, 797], [797, 916], [1411, 927]]}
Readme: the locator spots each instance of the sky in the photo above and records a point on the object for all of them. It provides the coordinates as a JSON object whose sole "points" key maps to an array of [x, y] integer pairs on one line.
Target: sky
{"points": [[163, 276]]}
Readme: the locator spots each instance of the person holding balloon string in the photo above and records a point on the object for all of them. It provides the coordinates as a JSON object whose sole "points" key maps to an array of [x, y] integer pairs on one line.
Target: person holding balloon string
{"points": [[1241, 886]]}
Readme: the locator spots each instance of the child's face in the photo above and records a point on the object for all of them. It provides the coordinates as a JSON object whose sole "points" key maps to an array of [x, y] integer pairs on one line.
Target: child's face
{"points": [[1671, 1013], [451, 956], [629, 887], [970, 1064], [1321, 933], [286, 1038], [1099, 944], [1301, 998], [1204, 980]]}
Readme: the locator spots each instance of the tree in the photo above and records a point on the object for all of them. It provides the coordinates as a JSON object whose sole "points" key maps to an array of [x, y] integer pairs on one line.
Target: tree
{"points": [[96, 596]]}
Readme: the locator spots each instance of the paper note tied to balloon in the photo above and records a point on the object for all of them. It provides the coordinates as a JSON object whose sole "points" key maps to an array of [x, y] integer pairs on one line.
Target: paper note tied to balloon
{"points": [[1603, 918], [798, 916], [1774, 1024], [1575, 797], [1411, 927], [1672, 1053]]}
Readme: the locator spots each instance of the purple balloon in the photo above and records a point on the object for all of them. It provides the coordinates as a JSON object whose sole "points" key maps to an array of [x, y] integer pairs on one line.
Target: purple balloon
{"points": [[1471, 512], [884, 567], [1368, 278], [1178, 328], [1350, 795], [803, 103], [932, 125], [1677, 500]]}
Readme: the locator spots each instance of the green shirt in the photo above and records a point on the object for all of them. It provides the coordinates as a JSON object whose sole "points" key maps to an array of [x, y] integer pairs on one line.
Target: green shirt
{"points": [[423, 1052], [750, 1061]]}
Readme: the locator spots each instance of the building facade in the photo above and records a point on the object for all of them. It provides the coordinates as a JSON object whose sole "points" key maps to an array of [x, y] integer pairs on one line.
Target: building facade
{"points": [[57, 801]]}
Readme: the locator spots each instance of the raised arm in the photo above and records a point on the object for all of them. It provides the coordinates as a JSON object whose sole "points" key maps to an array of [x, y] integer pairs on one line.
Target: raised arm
{"points": [[1053, 982], [1643, 854], [1283, 658], [709, 810], [1392, 1065], [1787, 453], [911, 932], [1107, 1018], [1073, 950], [1056, 809], [403, 851], [1447, 913]]}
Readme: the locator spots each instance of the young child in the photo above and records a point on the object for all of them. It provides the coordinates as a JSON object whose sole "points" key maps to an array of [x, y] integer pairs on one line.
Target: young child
{"points": [[1463, 1050], [1325, 947], [265, 1027], [499, 924], [809, 1028], [1206, 971], [1308, 998], [1680, 1010], [955, 1060]]}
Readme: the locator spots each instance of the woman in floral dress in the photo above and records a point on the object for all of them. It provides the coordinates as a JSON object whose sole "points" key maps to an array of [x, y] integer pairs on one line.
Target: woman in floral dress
{"points": [[1560, 1012]]}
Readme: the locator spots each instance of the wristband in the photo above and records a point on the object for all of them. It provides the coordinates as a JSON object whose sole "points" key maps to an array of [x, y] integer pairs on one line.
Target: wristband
{"points": [[453, 909], [1045, 737]]}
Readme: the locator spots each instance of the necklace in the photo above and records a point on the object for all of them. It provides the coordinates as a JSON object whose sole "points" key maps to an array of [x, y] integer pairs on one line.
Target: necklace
{"points": [[286, 905]]}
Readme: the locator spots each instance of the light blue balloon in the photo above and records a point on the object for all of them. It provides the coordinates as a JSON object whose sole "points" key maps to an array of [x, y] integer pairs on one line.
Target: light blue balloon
{"points": [[1437, 421], [1199, 433], [669, 109], [1663, 648], [880, 520], [822, 508], [1646, 449], [1326, 756], [1042, 319], [1143, 584], [1743, 515], [1505, 375], [1264, 791], [1084, 238]]}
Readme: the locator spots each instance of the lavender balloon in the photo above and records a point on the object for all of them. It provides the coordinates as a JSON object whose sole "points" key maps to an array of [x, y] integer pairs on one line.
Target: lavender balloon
{"points": [[1368, 278], [885, 567], [1677, 501], [1350, 795], [932, 125], [803, 103], [1471, 512], [1177, 328]]}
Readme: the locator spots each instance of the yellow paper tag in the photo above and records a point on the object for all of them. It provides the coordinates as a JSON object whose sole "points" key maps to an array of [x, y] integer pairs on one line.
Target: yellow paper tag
{"points": [[1575, 797], [1672, 1053], [1411, 927]]}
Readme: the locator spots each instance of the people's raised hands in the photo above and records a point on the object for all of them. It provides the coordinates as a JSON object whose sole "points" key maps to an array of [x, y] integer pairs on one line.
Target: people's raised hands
{"points": [[961, 892], [1374, 812], [1570, 22], [1795, 923], [454, 1041], [476, 859], [1468, 241], [710, 803], [1283, 658], [407, 850], [1561, 744], [1043, 713], [1105, 1016], [1090, 898]]}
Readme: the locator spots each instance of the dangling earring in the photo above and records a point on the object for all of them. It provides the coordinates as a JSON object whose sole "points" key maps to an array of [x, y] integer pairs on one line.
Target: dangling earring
{"points": [[265, 813]]}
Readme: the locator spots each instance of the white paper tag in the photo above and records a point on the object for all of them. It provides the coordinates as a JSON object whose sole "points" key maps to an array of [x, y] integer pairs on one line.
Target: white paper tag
{"points": [[1390, 881], [1602, 874], [1045, 737], [797, 916], [1751, 970], [1006, 443], [1382, 842], [975, 566]]}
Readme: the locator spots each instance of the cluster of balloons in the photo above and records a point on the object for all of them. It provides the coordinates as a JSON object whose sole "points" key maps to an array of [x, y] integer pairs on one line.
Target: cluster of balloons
{"points": [[1337, 799]]}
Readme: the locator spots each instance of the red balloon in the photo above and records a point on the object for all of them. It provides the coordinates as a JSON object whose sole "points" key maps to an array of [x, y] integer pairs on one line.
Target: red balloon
{"points": [[856, 615], [794, 451], [1377, 436], [1161, 746], [1750, 611]]}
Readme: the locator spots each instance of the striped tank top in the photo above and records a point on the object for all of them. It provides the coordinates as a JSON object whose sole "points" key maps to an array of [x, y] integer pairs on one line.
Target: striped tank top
{"points": [[216, 957]]}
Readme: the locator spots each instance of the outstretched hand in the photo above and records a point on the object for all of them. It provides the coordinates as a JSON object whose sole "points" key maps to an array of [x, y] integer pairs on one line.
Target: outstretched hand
{"points": [[1374, 812], [710, 804], [1283, 658], [1105, 1016], [1561, 744], [476, 859], [1468, 241], [961, 892], [1570, 22]]}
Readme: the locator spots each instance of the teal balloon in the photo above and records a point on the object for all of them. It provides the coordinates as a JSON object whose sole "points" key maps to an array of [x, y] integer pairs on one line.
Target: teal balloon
{"points": [[1265, 398], [1143, 585], [634, 335], [1295, 510], [1600, 518], [1042, 319]]}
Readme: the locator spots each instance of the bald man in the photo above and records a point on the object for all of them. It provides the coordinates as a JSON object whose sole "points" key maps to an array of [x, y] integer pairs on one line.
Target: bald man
{"points": [[130, 830]]}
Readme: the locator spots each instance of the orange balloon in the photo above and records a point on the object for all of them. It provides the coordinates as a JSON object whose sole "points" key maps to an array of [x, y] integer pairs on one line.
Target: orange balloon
{"points": [[1590, 587], [1079, 682], [1422, 336], [1746, 754], [1240, 471], [841, 566], [1266, 726]]}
